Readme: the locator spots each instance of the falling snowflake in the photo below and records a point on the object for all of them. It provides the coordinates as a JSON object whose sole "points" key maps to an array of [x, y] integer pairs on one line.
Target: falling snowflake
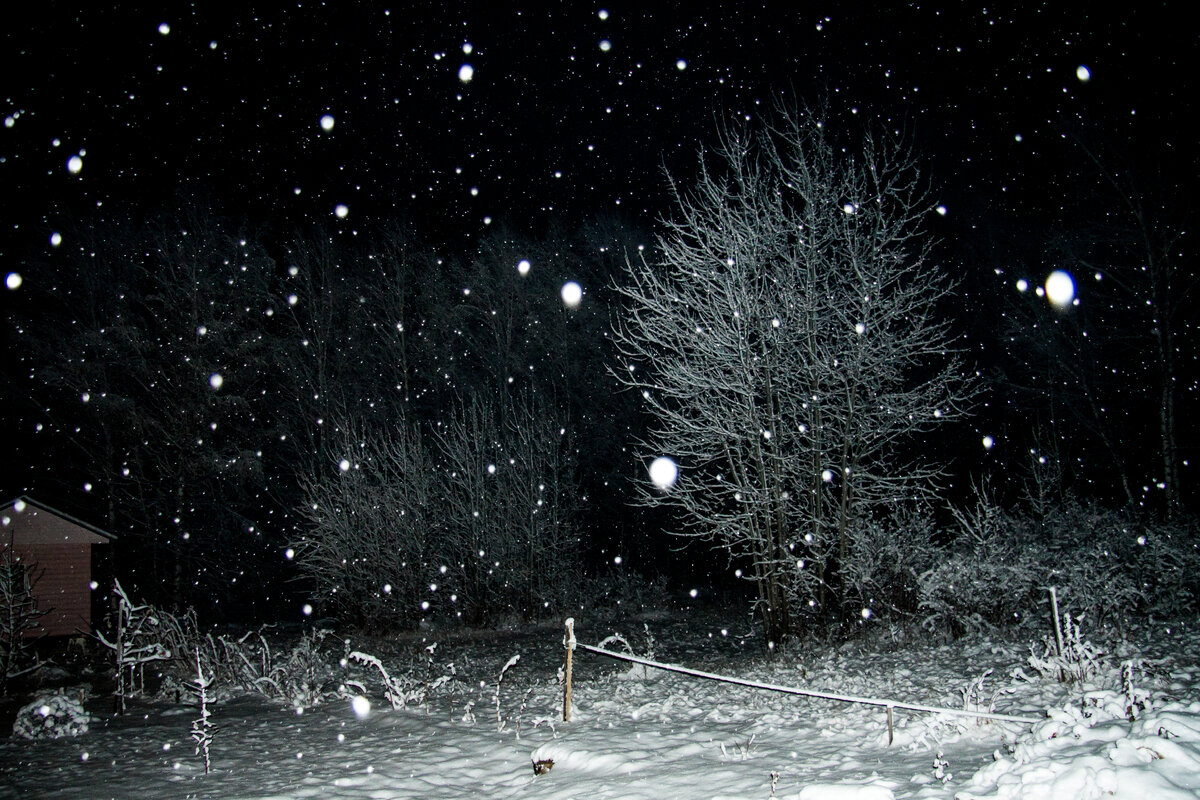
{"points": [[361, 706], [663, 472], [1060, 289], [572, 294]]}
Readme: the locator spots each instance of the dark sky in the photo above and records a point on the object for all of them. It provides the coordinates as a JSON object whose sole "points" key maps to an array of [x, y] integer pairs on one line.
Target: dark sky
{"points": [[573, 107]]}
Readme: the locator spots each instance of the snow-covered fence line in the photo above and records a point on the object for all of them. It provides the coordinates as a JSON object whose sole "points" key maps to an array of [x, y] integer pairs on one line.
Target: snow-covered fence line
{"points": [[888, 705]]}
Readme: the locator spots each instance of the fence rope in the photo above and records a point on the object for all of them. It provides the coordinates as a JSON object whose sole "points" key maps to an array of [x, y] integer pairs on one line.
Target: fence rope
{"points": [[845, 698]]}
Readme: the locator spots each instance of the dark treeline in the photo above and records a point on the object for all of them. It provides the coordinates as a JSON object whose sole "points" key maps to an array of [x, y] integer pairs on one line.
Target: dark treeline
{"points": [[237, 405], [183, 382]]}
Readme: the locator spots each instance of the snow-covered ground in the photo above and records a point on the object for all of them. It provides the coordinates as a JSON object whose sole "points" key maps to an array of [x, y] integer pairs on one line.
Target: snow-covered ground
{"points": [[638, 734]]}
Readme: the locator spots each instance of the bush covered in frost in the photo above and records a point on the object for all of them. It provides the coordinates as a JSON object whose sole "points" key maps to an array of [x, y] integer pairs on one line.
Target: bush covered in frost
{"points": [[300, 675], [1105, 564], [986, 577], [885, 560], [471, 519], [55, 716]]}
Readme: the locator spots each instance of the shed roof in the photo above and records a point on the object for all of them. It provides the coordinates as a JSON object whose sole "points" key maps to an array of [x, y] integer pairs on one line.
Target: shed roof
{"points": [[28, 521]]}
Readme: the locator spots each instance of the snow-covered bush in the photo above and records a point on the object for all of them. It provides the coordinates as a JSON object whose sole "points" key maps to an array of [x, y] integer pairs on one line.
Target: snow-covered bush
{"points": [[18, 614], [303, 675], [1105, 565], [143, 635], [507, 492], [986, 578], [621, 592], [473, 520], [1076, 661], [1091, 556], [635, 672], [53, 716], [400, 689], [370, 532], [1094, 748], [1166, 562], [248, 664], [885, 561]]}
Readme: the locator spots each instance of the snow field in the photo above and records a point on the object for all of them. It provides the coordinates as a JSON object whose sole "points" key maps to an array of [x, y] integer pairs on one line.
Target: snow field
{"points": [[646, 734]]}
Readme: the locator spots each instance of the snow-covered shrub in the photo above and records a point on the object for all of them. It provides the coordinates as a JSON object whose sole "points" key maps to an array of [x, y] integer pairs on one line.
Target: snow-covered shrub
{"points": [[202, 727], [415, 680], [1166, 562], [977, 696], [400, 690], [1079, 660], [250, 665], [1089, 554], [622, 592], [988, 577], [143, 635], [1105, 565], [18, 614], [635, 672], [300, 677], [1091, 748], [473, 521], [247, 664], [369, 541], [885, 560], [507, 492], [1108, 563], [53, 716]]}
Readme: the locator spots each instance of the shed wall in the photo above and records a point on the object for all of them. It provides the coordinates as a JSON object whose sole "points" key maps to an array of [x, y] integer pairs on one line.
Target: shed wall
{"points": [[62, 574]]}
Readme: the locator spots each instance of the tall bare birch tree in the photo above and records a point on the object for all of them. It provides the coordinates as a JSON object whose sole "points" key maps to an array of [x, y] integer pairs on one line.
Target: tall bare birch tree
{"points": [[788, 347]]}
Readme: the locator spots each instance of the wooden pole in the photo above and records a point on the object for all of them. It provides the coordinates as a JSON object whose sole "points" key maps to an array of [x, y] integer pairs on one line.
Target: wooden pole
{"points": [[1058, 637], [569, 644], [890, 735]]}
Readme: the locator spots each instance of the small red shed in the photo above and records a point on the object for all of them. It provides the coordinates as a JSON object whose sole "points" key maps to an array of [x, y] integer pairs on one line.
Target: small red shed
{"points": [[55, 549]]}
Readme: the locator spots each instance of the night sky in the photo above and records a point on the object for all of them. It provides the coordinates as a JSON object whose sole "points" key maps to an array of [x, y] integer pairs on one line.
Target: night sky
{"points": [[571, 108]]}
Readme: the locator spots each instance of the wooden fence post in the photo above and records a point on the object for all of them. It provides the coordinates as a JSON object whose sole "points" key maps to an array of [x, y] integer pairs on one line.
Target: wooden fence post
{"points": [[1058, 637], [569, 644]]}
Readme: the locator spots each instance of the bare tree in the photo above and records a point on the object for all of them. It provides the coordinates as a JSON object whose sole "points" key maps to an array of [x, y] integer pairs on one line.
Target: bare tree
{"points": [[508, 495], [19, 616], [371, 526], [788, 348], [478, 526]]}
